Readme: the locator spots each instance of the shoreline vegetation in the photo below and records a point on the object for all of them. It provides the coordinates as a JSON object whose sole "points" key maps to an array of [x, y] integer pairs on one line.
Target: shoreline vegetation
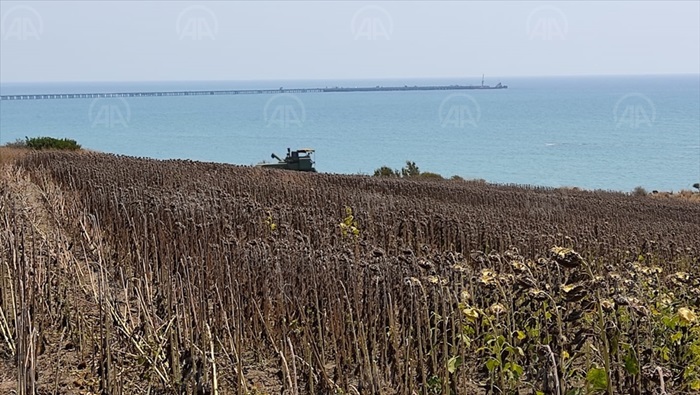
{"points": [[122, 274]]}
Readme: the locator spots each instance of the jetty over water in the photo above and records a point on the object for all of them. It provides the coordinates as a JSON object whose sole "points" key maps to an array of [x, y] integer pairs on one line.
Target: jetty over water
{"points": [[248, 92]]}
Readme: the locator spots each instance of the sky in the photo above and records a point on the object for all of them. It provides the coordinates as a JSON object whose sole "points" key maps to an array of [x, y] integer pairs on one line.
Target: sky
{"points": [[56, 41]]}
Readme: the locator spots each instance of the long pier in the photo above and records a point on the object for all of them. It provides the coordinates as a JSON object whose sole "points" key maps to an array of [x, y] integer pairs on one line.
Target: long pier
{"points": [[247, 92]]}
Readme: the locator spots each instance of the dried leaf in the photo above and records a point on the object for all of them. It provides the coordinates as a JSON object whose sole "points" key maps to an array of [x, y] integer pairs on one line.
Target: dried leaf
{"points": [[686, 315]]}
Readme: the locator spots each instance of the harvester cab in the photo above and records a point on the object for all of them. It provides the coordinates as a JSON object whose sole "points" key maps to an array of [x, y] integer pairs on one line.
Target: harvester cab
{"points": [[299, 160]]}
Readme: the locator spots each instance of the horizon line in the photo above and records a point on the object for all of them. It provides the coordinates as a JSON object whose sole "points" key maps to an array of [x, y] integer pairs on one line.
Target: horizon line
{"points": [[347, 78]]}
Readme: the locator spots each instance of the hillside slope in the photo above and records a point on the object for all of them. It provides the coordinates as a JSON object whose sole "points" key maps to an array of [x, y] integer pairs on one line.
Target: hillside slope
{"points": [[181, 276]]}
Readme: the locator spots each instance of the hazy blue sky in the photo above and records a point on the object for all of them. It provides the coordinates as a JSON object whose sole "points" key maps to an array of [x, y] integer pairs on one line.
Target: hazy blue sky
{"points": [[134, 41]]}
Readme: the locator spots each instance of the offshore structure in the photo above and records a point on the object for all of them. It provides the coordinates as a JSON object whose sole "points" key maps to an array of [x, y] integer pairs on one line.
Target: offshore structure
{"points": [[337, 89]]}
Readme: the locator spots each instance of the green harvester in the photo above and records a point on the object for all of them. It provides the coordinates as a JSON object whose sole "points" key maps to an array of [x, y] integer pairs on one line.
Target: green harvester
{"points": [[299, 160]]}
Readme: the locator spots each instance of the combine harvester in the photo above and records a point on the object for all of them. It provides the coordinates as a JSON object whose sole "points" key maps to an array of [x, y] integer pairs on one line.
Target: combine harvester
{"points": [[299, 160]]}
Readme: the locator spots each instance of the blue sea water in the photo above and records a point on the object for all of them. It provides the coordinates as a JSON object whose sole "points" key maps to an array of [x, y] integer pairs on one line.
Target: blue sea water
{"points": [[611, 132]]}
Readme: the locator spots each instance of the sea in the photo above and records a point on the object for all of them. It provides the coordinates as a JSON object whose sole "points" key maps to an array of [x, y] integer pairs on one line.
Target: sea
{"points": [[591, 132]]}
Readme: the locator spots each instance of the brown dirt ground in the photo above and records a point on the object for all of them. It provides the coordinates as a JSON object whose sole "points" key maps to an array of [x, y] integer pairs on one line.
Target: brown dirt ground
{"points": [[60, 367]]}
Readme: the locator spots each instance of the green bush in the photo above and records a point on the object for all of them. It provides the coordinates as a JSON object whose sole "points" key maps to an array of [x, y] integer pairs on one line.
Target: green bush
{"points": [[639, 191], [51, 143], [431, 176], [386, 171], [411, 170]]}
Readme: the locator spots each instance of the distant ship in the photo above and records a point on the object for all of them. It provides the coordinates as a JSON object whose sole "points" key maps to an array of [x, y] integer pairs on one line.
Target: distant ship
{"points": [[498, 86]]}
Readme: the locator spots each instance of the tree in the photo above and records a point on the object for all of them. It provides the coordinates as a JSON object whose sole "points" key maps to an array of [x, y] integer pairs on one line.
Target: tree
{"points": [[386, 171], [410, 170]]}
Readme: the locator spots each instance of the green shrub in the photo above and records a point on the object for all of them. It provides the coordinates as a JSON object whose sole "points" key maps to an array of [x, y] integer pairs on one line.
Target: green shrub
{"points": [[431, 176], [639, 191], [51, 143], [411, 170], [386, 171]]}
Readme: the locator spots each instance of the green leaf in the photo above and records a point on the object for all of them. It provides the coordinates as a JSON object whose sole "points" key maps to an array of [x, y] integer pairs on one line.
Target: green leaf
{"points": [[515, 350], [501, 340], [492, 364], [631, 364], [454, 363], [516, 369], [694, 385], [695, 350], [689, 372], [676, 337], [665, 353], [670, 322], [534, 332], [597, 378]]}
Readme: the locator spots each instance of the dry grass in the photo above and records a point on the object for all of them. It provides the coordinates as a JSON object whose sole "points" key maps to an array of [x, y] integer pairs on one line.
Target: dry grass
{"points": [[685, 195], [9, 155]]}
